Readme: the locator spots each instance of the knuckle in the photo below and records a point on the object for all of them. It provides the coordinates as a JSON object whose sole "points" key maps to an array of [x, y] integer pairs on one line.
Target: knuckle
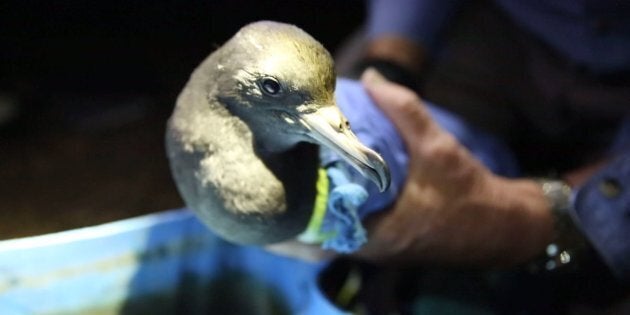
{"points": [[442, 148], [408, 101]]}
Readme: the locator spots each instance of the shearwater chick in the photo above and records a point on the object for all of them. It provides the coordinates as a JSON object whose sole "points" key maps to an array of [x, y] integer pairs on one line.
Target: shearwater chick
{"points": [[243, 139]]}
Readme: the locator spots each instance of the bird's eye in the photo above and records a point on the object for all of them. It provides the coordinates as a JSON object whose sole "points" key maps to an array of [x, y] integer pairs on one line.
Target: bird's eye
{"points": [[270, 86]]}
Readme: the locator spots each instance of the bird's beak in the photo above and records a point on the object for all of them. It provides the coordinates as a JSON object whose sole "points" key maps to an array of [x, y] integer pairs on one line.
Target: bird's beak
{"points": [[328, 127]]}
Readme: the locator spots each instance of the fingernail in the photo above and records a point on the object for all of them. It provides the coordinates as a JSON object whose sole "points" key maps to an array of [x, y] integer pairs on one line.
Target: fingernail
{"points": [[372, 77]]}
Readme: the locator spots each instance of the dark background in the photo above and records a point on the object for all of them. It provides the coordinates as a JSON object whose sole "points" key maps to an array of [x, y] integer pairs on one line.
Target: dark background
{"points": [[92, 84]]}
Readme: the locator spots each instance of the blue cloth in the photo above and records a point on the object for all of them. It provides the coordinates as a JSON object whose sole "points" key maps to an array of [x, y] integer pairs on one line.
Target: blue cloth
{"points": [[604, 220], [342, 216], [591, 33], [368, 122], [353, 196]]}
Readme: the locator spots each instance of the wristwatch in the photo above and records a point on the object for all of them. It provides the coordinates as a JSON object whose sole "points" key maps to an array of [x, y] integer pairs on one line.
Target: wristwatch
{"points": [[568, 243]]}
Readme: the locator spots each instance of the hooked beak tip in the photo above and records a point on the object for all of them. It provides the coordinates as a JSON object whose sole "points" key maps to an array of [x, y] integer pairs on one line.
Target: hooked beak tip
{"points": [[377, 170]]}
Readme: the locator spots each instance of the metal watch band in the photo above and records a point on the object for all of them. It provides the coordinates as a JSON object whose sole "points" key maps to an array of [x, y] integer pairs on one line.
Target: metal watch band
{"points": [[568, 243]]}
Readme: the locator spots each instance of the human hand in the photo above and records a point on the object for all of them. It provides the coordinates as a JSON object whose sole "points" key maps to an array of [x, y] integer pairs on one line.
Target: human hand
{"points": [[452, 209]]}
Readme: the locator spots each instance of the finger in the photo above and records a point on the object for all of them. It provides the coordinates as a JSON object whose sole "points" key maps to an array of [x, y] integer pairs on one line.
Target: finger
{"points": [[401, 105]]}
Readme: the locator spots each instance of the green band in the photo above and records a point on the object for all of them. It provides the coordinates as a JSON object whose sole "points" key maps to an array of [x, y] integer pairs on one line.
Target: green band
{"points": [[312, 234]]}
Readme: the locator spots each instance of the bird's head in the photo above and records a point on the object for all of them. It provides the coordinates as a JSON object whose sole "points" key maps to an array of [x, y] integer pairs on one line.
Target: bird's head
{"points": [[281, 81]]}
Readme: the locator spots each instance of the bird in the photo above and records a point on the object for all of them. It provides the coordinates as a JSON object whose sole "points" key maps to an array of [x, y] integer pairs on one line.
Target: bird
{"points": [[244, 138]]}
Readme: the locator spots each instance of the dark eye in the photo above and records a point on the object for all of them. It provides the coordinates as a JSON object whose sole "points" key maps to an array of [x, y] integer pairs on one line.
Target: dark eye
{"points": [[270, 86]]}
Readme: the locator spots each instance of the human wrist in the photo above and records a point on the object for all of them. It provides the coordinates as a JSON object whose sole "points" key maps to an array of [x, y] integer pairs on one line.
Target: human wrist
{"points": [[524, 220], [500, 222]]}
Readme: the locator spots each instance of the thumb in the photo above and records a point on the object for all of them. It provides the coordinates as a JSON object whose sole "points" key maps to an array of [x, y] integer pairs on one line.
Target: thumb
{"points": [[403, 106]]}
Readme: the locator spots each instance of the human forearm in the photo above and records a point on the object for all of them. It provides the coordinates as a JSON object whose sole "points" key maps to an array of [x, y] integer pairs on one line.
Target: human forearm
{"points": [[522, 219], [405, 32], [498, 222], [398, 50], [419, 21]]}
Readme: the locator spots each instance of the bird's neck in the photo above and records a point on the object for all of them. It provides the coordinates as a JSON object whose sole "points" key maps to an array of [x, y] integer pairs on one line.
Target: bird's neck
{"points": [[242, 150], [288, 157]]}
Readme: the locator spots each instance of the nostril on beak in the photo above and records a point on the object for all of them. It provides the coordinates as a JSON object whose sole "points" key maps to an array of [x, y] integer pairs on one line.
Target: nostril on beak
{"points": [[344, 125]]}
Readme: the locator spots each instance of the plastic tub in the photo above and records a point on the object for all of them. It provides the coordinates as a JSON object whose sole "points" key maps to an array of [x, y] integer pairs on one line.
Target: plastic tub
{"points": [[164, 263]]}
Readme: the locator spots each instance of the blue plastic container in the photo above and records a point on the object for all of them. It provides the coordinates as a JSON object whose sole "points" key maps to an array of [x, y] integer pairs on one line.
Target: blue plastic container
{"points": [[164, 263]]}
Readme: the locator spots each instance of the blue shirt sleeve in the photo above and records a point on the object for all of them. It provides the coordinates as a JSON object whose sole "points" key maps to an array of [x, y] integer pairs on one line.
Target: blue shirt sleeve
{"points": [[417, 20], [592, 33], [602, 208]]}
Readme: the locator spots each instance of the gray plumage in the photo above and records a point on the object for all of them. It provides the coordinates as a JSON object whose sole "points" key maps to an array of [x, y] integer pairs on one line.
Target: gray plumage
{"points": [[242, 138]]}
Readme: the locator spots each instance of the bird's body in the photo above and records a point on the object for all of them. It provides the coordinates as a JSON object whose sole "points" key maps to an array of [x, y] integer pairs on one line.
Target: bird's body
{"points": [[240, 139]]}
